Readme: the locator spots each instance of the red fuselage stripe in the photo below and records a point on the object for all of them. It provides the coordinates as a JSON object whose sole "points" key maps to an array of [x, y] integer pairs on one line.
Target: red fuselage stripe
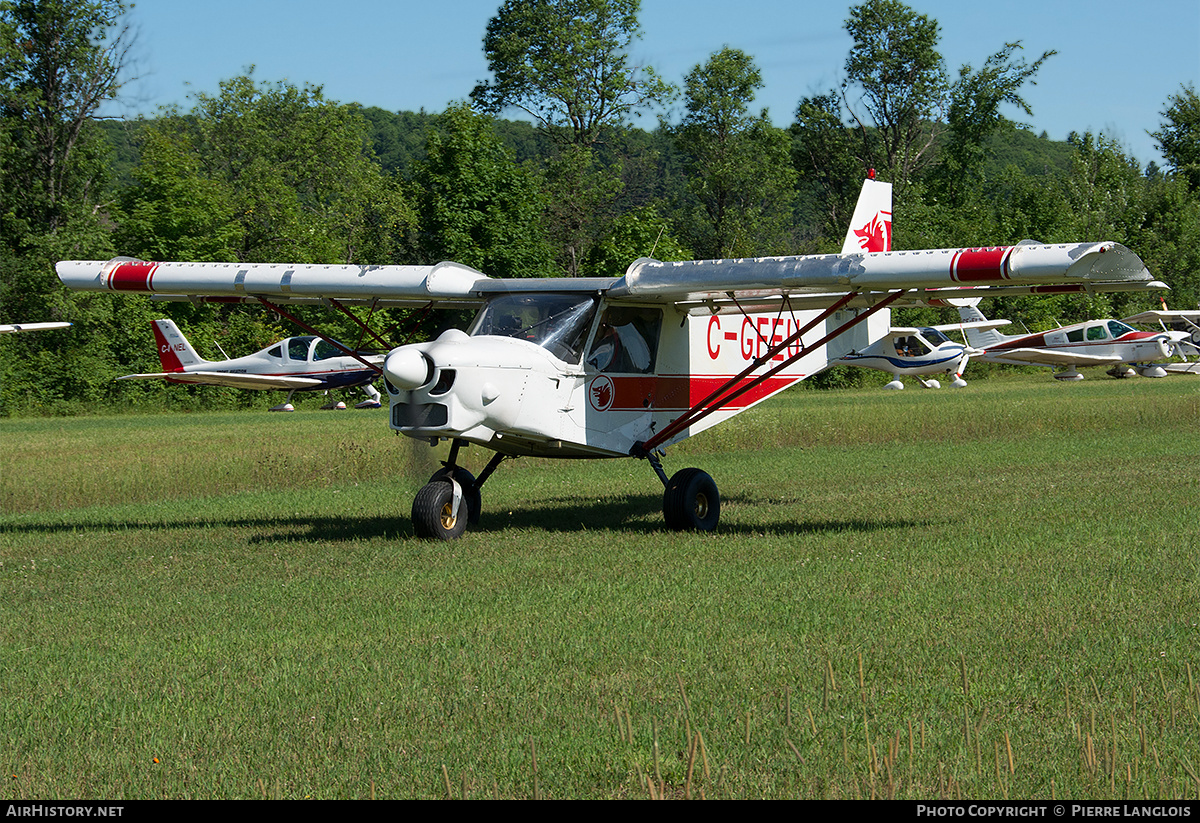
{"points": [[677, 393]]}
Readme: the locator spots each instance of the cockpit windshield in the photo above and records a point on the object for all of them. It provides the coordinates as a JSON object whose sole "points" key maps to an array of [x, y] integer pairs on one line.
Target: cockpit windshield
{"points": [[934, 336], [556, 322]]}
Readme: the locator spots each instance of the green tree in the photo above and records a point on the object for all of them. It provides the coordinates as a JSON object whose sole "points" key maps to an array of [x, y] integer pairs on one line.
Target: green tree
{"points": [[293, 170], [740, 167], [475, 204], [566, 64], [642, 232], [830, 169], [901, 81], [59, 61], [974, 115], [1179, 137]]}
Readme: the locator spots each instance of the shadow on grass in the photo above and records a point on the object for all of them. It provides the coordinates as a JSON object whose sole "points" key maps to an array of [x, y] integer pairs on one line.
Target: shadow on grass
{"points": [[634, 514]]}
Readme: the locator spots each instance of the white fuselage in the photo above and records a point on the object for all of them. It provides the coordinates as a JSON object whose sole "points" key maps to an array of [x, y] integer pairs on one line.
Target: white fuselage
{"points": [[625, 374]]}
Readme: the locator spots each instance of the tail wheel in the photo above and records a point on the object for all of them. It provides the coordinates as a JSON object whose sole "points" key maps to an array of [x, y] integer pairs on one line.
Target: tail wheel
{"points": [[433, 512], [691, 502]]}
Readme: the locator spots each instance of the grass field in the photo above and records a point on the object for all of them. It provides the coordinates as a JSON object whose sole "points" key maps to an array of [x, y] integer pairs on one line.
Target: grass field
{"points": [[982, 593]]}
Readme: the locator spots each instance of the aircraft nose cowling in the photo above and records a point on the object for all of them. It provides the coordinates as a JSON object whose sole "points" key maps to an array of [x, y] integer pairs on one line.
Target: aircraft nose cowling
{"points": [[408, 369]]}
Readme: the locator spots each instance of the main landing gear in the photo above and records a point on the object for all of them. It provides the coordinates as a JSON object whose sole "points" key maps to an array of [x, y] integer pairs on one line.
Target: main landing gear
{"points": [[691, 501], [451, 499]]}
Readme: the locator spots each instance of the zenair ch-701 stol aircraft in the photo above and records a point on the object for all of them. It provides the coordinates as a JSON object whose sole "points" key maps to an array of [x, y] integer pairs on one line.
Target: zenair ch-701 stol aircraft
{"points": [[307, 363], [624, 366]]}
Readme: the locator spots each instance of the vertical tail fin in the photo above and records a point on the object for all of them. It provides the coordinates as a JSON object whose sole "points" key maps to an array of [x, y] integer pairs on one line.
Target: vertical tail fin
{"points": [[871, 226], [174, 350], [977, 338]]}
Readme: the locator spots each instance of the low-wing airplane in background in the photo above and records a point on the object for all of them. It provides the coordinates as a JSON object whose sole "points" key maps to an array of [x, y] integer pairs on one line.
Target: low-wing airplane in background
{"points": [[296, 364], [919, 352], [1093, 343], [8, 328], [625, 366]]}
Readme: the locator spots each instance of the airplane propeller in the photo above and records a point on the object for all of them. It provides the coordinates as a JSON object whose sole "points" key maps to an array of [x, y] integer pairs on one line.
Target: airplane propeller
{"points": [[958, 381]]}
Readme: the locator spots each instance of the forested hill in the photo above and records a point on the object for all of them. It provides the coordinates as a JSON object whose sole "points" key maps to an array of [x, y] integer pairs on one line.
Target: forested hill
{"points": [[397, 140]]}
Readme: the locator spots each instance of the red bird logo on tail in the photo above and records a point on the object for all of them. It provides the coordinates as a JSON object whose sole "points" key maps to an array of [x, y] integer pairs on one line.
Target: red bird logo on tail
{"points": [[877, 234]]}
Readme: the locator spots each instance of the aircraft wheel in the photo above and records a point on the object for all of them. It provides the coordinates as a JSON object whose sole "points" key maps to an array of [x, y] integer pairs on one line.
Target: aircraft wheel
{"points": [[470, 489], [433, 512], [691, 502]]}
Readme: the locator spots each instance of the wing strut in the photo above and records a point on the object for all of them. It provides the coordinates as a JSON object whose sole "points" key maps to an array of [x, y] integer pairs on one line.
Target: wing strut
{"points": [[273, 307], [730, 390], [363, 326]]}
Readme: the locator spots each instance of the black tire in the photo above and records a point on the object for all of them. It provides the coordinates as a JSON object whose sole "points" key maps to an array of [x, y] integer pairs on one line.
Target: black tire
{"points": [[432, 512], [691, 502], [470, 489]]}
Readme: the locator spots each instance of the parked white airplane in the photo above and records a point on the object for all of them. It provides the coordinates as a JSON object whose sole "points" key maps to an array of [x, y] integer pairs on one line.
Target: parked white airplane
{"points": [[919, 352], [1092, 343], [539, 372], [8, 328], [296, 364]]}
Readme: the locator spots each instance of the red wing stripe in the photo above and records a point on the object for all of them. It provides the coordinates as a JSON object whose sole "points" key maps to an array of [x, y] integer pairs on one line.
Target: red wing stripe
{"points": [[980, 265], [133, 275]]}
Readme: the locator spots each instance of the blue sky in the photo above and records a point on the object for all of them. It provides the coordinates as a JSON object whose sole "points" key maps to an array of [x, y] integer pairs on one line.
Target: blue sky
{"points": [[1116, 65]]}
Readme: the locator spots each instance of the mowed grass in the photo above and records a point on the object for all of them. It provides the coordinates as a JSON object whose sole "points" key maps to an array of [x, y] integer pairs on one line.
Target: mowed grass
{"points": [[990, 592]]}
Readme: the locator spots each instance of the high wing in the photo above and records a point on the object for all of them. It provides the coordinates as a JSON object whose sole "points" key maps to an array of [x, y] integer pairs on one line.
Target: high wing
{"points": [[230, 379], [1191, 317], [9, 328], [701, 286]]}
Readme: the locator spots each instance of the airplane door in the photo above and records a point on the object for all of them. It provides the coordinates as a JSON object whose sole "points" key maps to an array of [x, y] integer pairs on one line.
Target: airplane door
{"points": [[620, 382]]}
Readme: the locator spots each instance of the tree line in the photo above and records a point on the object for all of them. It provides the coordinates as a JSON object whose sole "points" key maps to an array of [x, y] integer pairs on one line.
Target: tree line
{"points": [[259, 171]]}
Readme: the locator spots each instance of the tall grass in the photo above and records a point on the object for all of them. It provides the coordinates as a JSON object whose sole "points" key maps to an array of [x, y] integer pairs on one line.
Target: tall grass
{"points": [[980, 593]]}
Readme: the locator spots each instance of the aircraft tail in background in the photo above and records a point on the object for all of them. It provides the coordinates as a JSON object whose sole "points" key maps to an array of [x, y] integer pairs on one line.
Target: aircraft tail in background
{"points": [[174, 350]]}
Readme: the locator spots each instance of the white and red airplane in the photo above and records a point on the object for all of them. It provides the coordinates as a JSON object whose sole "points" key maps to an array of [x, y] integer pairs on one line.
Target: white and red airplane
{"points": [[1093, 343], [307, 363], [8, 328], [624, 366]]}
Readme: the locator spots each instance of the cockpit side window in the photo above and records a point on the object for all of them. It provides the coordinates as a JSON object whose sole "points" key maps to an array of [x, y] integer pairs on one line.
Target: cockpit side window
{"points": [[298, 348], [626, 340], [324, 350], [1096, 332], [910, 346]]}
